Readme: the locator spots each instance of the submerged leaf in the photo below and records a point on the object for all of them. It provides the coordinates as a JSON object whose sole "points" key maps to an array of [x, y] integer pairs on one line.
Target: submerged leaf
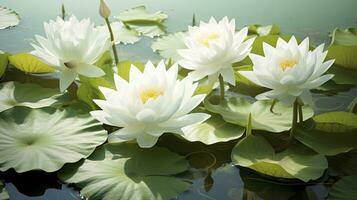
{"points": [[344, 189], [295, 162], [45, 139], [28, 94], [29, 63], [125, 171], [168, 45], [331, 133], [8, 18], [214, 130], [236, 110]]}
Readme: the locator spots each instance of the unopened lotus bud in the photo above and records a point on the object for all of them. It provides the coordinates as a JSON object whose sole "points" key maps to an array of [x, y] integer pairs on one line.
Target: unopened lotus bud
{"points": [[104, 10]]}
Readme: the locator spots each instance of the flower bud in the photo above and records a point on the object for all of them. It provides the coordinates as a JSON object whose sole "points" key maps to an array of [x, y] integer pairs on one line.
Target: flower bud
{"points": [[104, 10]]}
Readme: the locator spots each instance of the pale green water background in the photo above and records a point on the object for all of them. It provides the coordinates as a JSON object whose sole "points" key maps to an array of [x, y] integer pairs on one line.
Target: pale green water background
{"points": [[313, 18]]}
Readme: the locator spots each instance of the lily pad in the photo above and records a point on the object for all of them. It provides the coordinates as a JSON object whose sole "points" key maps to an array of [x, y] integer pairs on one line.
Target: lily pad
{"points": [[121, 33], [124, 68], [236, 110], [148, 24], [264, 30], [343, 48], [8, 18], [45, 139], [295, 162], [29, 63], [344, 189], [89, 87], [167, 45], [214, 130], [125, 171], [27, 94], [330, 133], [3, 63], [3, 193]]}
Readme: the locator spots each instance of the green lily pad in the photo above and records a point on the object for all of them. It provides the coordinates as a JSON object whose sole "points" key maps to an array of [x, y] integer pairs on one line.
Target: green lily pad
{"points": [[214, 130], [45, 139], [167, 45], [148, 24], [89, 86], [29, 63], [295, 162], [344, 189], [264, 30], [3, 63], [125, 171], [124, 68], [27, 94], [343, 75], [343, 48], [236, 110], [331, 134], [3, 193], [8, 18]]}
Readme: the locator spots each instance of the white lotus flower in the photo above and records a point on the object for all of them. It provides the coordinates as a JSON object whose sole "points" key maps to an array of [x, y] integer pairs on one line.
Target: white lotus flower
{"points": [[212, 48], [290, 70], [72, 47], [152, 103]]}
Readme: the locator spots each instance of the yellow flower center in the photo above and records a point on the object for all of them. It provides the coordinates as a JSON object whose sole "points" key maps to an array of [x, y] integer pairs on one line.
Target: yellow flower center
{"points": [[288, 63], [210, 37], [150, 94]]}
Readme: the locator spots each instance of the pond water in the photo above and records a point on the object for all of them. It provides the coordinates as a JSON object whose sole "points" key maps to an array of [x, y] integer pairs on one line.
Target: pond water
{"points": [[315, 19]]}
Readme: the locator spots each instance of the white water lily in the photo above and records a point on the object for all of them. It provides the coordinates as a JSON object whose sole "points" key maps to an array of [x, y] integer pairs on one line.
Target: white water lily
{"points": [[72, 47], [290, 70], [212, 48], [151, 103]]}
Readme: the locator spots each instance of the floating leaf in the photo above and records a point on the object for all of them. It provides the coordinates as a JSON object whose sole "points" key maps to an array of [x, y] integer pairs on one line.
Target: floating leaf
{"points": [[167, 45], [343, 75], [145, 23], [344, 163], [45, 139], [3, 193], [125, 171], [3, 63], [121, 33], [88, 88], [343, 48], [295, 162], [264, 30], [28, 94], [344, 189], [236, 110], [214, 130], [346, 37], [124, 68], [331, 134], [8, 18], [29, 63]]}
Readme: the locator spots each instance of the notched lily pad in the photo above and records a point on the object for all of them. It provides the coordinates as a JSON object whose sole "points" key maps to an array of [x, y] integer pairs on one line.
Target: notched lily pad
{"points": [[236, 110], [4, 60], [8, 18], [214, 130], [26, 94], [138, 19], [45, 139], [330, 133], [29, 63], [125, 171], [168, 45], [295, 162]]}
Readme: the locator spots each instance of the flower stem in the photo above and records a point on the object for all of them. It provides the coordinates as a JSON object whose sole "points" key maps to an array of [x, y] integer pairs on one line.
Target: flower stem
{"points": [[221, 85], [294, 121], [112, 39], [63, 12], [301, 117]]}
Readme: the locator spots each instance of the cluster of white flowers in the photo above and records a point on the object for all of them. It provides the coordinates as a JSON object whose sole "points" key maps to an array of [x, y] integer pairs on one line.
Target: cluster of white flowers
{"points": [[155, 101]]}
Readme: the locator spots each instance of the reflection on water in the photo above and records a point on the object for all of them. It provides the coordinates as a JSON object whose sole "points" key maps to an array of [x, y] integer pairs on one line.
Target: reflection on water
{"points": [[301, 17]]}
